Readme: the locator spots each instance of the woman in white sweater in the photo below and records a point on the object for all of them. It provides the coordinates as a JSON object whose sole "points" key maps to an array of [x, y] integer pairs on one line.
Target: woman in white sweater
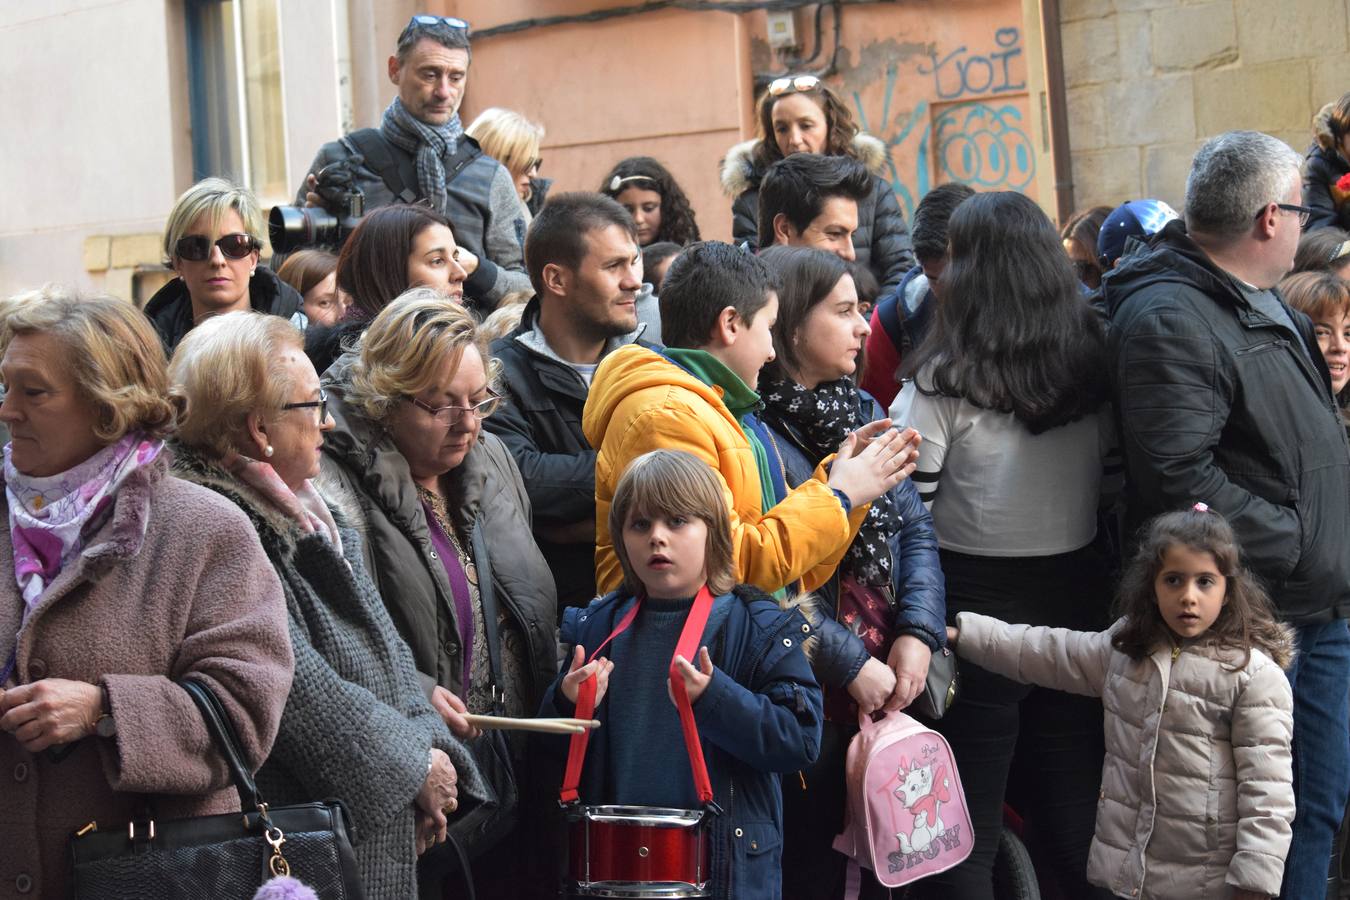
{"points": [[1009, 395]]}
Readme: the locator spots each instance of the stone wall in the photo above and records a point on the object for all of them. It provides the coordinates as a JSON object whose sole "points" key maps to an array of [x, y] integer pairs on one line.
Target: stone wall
{"points": [[1149, 80]]}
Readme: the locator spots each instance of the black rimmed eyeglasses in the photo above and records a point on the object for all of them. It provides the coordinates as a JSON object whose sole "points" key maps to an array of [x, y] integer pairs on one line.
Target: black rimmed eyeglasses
{"points": [[449, 415], [1304, 212], [321, 405]]}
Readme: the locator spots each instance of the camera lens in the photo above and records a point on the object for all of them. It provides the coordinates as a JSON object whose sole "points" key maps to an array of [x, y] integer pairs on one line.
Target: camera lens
{"points": [[293, 227]]}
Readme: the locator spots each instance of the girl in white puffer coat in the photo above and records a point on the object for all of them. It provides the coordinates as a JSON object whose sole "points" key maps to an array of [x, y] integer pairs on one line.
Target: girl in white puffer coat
{"points": [[1197, 789]]}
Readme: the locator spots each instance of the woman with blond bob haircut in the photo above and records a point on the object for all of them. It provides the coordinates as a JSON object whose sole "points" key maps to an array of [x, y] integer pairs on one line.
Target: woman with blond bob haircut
{"points": [[121, 582], [213, 241], [446, 519], [357, 722], [674, 483], [513, 141]]}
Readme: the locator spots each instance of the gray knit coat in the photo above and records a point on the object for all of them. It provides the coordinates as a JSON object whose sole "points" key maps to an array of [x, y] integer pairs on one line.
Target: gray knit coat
{"points": [[357, 725]]}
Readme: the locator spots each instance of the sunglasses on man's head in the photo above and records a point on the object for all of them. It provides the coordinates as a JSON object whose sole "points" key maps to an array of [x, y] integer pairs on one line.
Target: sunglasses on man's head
{"points": [[780, 86], [197, 247], [429, 21]]}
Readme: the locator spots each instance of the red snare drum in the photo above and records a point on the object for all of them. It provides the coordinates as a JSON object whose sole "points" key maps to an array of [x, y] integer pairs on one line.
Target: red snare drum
{"points": [[638, 851]]}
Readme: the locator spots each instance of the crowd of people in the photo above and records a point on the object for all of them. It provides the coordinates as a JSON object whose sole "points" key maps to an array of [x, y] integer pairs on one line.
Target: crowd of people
{"points": [[513, 452]]}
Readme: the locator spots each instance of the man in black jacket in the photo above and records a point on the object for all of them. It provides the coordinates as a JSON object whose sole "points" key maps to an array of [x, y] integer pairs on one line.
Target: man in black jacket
{"points": [[420, 154], [586, 268], [1225, 399]]}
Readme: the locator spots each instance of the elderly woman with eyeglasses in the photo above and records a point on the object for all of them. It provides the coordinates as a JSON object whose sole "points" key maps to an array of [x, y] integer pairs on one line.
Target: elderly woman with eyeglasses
{"points": [[117, 582], [802, 114], [446, 516], [357, 725], [212, 241]]}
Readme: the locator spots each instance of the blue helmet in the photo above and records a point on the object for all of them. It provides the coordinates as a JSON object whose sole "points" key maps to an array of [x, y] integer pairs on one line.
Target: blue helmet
{"points": [[1136, 219]]}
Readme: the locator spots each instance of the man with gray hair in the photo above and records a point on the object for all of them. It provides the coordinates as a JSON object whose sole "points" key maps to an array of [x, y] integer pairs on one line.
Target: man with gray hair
{"points": [[1224, 399], [420, 154]]}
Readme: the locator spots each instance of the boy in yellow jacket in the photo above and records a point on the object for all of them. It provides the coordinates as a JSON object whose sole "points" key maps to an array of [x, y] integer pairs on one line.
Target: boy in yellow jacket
{"points": [[718, 304]]}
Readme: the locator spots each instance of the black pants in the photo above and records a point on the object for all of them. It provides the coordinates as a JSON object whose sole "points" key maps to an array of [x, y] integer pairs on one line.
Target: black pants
{"points": [[1056, 737]]}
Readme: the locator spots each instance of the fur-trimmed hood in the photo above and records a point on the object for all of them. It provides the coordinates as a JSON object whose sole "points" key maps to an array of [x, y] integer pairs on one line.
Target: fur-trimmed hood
{"points": [[1322, 131], [739, 173]]}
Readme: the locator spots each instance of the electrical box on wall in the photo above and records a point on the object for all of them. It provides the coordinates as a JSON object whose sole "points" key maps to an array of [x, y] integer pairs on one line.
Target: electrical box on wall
{"points": [[782, 30]]}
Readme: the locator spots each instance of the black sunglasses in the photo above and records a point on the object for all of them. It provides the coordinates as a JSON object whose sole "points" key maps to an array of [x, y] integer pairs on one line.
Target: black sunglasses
{"points": [[196, 247]]}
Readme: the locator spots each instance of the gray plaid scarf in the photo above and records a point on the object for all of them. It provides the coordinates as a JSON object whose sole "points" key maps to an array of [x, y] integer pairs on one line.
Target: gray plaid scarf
{"points": [[432, 145]]}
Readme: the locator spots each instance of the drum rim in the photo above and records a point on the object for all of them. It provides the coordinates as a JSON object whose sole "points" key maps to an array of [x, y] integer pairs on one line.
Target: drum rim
{"points": [[641, 815], [646, 890]]}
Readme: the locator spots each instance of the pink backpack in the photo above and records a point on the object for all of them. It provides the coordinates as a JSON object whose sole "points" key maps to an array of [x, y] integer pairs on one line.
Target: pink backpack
{"points": [[907, 814]]}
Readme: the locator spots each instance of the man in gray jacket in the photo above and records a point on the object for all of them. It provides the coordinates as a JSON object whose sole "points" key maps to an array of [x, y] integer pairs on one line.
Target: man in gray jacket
{"points": [[421, 154]]}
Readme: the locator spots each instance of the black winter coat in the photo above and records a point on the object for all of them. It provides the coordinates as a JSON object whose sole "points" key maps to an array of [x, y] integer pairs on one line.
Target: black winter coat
{"points": [[170, 310], [1321, 169], [540, 424], [882, 241], [1220, 403]]}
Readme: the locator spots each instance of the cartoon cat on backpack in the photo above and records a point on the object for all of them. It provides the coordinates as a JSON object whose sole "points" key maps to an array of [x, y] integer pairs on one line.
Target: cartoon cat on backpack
{"points": [[923, 788]]}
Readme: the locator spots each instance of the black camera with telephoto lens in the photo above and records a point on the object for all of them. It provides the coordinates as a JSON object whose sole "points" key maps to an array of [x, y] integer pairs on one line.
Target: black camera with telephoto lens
{"points": [[295, 227]]}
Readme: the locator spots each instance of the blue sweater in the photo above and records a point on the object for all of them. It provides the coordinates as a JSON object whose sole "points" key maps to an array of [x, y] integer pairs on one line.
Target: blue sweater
{"points": [[760, 715]]}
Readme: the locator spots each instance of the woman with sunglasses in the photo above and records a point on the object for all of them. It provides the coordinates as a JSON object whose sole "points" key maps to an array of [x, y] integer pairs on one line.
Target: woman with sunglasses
{"points": [[801, 114], [212, 241], [447, 526], [357, 725], [513, 141]]}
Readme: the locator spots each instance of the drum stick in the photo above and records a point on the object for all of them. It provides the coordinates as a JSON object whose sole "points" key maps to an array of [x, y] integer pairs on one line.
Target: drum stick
{"points": [[544, 726]]}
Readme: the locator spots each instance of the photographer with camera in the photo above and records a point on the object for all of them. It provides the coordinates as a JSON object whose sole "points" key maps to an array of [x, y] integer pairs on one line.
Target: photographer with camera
{"points": [[212, 240], [420, 154]]}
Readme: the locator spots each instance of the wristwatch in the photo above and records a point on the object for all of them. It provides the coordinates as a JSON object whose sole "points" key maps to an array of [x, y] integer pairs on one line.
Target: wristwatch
{"points": [[105, 726]]}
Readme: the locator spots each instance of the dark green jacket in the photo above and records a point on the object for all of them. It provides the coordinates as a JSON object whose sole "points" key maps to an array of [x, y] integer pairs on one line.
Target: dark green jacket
{"points": [[488, 500]]}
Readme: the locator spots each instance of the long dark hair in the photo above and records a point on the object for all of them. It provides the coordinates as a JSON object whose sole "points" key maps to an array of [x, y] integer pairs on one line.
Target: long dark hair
{"points": [[1244, 622], [1011, 332], [373, 265], [805, 277], [677, 216]]}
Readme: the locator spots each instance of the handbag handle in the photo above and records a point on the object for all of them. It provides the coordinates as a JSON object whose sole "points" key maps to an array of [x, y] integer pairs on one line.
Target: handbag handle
{"points": [[223, 735]]}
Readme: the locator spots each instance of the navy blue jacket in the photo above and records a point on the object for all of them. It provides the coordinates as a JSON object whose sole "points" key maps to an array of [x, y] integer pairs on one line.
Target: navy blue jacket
{"points": [[759, 716], [916, 573]]}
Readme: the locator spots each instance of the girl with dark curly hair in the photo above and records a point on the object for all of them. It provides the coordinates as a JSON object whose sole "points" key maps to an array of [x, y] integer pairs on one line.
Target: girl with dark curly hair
{"points": [[802, 114], [653, 198]]}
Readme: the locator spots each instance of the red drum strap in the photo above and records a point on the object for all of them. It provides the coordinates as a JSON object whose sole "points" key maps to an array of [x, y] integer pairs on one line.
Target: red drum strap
{"points": [[687, 647]]}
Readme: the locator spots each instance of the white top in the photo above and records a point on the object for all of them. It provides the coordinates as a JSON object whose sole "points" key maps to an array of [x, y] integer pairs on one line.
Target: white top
{"points": [[995, 489]]}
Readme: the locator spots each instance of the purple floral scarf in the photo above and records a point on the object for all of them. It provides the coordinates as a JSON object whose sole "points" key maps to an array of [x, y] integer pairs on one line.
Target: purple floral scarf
{"points": [[50, 516]]}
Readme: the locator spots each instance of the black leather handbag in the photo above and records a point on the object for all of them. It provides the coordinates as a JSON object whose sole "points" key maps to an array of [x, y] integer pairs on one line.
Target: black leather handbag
{"points": [[941, 687], [224, 856]]}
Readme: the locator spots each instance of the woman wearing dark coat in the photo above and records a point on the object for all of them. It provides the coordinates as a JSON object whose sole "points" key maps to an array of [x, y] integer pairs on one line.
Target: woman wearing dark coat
{"points": [[888, 590], [447, 524], [1325, 162], [803, 115], [357, 724]]}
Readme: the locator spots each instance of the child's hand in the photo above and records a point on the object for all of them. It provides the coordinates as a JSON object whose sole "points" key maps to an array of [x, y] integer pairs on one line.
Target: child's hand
{"points": [[695, 680], [578, 673], [952, 634], [872, 686]]}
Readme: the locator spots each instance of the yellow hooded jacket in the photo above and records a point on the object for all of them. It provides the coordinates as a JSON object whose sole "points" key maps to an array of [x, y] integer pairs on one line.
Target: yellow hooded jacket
{"points": [[641, 401]]}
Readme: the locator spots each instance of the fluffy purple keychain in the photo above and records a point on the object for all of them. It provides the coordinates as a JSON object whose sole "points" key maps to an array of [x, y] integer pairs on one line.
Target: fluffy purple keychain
{"points": [[284, 888]]}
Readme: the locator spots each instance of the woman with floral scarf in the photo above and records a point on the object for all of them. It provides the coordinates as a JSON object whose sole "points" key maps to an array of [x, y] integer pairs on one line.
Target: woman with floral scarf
{"points": [[119, 582], [888, 589], [357, 725]]}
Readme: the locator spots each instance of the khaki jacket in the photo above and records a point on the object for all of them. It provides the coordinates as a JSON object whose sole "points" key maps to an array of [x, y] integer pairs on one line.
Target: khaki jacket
{"points": [[1197, 791]]}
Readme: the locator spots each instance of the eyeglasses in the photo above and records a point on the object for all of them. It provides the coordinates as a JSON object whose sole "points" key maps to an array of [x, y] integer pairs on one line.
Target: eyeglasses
{"points": [[780, 86], [197, 247], [1304, 212], [449, 415], [428, 21], [321, 405]]}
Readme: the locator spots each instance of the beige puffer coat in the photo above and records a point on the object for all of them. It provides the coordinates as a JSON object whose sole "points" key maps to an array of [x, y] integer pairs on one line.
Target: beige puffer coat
{"points": [[1197, 789]]}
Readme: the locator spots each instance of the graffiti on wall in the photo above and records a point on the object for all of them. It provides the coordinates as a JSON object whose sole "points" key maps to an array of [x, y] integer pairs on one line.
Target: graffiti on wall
{"points": [[974, 130]]}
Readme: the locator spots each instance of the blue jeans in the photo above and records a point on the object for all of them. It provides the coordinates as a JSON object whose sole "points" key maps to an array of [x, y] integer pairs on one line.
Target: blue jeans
{"points": [[1320, 677]]}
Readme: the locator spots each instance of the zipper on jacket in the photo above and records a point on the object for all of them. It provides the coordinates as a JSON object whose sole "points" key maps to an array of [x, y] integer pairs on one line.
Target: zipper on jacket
{"points": [[1276, 343]]}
